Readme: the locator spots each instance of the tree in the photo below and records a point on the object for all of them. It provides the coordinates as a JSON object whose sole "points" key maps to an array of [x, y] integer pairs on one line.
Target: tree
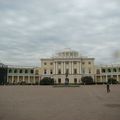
{"points": [[112, 80], [47, 81], [87, 80]]}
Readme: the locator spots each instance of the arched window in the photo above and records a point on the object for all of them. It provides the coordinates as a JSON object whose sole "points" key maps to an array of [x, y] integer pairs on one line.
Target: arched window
{"points": [[109, 70], [15, 71], [10, 70], [114, 70]]}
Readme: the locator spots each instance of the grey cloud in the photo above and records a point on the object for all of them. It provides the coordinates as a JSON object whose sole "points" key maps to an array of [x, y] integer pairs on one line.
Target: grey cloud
{"points": [[33, 29]]}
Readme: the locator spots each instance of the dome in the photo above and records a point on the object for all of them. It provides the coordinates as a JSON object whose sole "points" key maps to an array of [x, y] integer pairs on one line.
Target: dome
{"points": [[67, 53]]}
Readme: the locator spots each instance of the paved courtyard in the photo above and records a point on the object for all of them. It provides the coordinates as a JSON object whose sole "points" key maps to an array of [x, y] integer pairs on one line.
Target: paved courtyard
{"points": [[48, 103]]}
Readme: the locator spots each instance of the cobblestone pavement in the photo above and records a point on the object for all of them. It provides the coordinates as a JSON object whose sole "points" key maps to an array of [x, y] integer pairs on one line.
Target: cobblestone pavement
{"points": [[48, 103]]}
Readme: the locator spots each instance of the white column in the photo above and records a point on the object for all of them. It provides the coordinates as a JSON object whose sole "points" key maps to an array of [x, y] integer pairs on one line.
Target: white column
{"points": [[54, 68], [80, 68], [70, 70], [72, 67], [62, 68]]}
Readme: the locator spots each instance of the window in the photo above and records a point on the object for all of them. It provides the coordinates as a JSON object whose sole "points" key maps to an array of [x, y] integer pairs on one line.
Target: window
{"points": [[10, 70], [89, 62], [103, 70], [109, 70], [32, 71], [59, 80], [51, 63], [83, 63], [21, 71], [45, 63], [51, 71], [75, 80], [75, 71], [114, 70], [59, 71], [15, 71], [45, 71], [67, 71], [26, 71]]}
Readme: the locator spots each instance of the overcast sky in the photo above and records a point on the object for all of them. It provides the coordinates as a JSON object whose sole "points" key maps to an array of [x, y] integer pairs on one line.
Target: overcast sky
{"points": [[34, 29]]}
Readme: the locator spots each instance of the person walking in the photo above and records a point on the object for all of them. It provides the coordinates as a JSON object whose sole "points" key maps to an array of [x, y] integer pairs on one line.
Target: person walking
{"points": [[108, 87]]}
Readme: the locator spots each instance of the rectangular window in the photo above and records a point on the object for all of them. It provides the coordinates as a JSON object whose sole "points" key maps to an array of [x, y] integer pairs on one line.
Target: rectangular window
{"points": [[75, 71], [26, 71], [51, 63], [83, 63], [21, 71], [45, 63], [59, 71], [32, 71], [67, 71], [89, 62]]}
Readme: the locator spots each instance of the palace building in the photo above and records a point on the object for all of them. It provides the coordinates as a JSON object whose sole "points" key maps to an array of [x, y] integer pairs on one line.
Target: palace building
{"points": [[22, 74], [70, 62], [104, 72], [67, 62]]}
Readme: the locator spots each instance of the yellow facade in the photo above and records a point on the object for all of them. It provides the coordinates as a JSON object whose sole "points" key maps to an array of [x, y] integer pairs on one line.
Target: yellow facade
{"points": [[76, 65]]}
